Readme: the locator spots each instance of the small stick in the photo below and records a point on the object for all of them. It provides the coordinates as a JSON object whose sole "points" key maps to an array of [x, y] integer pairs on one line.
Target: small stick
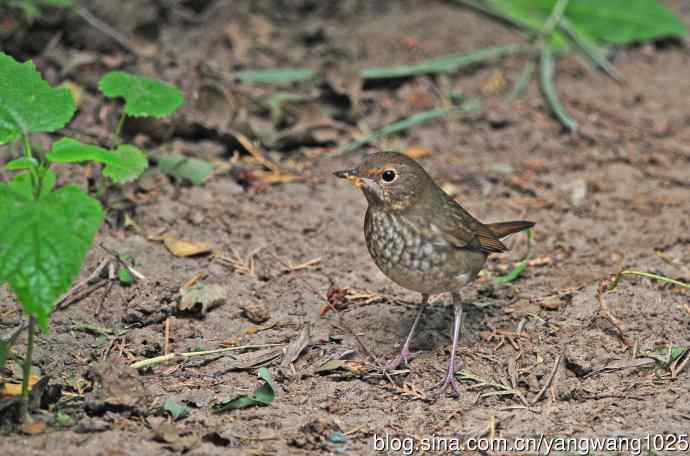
{"points": [[677, 369], [105, 29], [171, 356], [606, 312], [87, 281], [549, 380], [166, 344]]}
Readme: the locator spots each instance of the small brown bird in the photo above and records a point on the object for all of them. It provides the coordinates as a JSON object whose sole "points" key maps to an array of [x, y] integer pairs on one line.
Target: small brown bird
{"points": [[422, 239]]}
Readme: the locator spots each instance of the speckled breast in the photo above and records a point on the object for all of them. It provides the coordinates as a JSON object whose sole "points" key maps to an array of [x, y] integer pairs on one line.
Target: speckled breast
{"points": [[414, 261]]}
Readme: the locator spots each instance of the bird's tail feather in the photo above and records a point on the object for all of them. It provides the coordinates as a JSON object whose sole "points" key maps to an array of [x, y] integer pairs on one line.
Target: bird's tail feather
{"points": [[503, 229]]}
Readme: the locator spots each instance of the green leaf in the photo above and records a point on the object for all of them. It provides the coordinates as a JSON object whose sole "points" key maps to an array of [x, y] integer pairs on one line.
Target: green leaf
{"points": [[514, 274], [43, 244], [21, 163], [176, 410], [185, 167], [63, 420], [264, 395], [27, 103], [274, 76], [24, 183], [610, 21], [520, 266], [143, 96], [124, 164], [124, 276]]}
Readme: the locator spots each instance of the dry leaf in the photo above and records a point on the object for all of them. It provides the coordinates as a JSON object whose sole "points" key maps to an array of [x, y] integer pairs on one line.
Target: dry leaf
{"points": [[185, 248], [417, 152], [551, 303], [15, 389], [36, 427], [494, 84], [201, 298]]}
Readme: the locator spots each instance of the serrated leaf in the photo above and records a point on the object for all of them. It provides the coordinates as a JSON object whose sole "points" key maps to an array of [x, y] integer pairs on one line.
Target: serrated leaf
{"points": [[43, 244], [124, 164], [185, 167], [21, 163], [143, 96], [263, 395], [27, 103]]}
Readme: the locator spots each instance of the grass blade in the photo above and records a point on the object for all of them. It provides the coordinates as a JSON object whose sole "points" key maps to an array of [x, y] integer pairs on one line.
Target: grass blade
{"points": [[612, 285], [589, 49], [444, 64], [522, 82], [546, 66], [520, 266], [408, 122], [274, 76]]}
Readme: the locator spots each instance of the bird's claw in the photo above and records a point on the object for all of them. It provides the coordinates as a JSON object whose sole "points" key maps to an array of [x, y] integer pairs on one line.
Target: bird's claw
{"points": [[449, 380]]}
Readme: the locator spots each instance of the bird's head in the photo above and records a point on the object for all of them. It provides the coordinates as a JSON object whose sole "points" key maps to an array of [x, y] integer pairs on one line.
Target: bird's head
{"points": [[390, 180]]}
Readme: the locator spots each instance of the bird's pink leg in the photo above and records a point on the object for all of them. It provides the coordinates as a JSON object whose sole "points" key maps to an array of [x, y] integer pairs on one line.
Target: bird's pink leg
{"points": [[449, 379], [405, 355]]}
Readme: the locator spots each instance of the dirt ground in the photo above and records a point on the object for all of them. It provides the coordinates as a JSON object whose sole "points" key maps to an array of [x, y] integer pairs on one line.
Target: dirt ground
{"points": [[616, 194]]}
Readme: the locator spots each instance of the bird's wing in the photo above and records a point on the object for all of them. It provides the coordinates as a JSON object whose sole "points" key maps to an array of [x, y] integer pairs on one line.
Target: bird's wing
{"points": [[461, 230]]}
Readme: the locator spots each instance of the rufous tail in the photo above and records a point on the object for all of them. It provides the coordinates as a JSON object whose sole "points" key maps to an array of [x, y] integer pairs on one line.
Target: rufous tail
{"points": [[503, 229]]}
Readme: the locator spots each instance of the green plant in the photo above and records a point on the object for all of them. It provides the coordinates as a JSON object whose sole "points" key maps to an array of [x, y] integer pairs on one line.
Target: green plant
{"points": [[46, 232], [555, 27], [32, 8]]}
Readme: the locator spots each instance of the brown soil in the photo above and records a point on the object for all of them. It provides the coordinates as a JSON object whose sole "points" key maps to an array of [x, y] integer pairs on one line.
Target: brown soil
{"points": [[618, 194]]}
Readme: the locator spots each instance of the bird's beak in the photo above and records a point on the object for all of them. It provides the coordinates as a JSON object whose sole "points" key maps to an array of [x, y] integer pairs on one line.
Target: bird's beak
{"points": [[350, 174]]}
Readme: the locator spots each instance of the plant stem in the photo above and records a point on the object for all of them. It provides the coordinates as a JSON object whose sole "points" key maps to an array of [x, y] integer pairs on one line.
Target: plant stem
{"points": [[649, 275], [35, 177], [171, 356], [115, 140], [27, 146], [26, 376]]}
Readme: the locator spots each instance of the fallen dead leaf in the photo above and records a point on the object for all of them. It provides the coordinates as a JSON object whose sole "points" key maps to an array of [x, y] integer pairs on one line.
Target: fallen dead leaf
{"points": [[417, 152], [495, 83], [15, 389], [201, 298], [33, 428], [551, 303], [522, 307], [182, 248], [540, 261]]}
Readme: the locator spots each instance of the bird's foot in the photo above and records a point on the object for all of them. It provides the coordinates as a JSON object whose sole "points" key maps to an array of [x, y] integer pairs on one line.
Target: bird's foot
{"points": [[448, 380], [403, 358]]}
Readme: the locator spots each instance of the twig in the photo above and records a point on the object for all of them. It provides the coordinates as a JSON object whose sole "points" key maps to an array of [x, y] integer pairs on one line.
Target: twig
{"points": [[549, 380], [166, 343], [677, 368], [90, 279], [105, 29], [172, 356], [606, 312]]}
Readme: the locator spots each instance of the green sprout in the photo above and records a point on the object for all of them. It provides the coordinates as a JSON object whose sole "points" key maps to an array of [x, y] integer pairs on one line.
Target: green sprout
{"points": [[47, 231]]}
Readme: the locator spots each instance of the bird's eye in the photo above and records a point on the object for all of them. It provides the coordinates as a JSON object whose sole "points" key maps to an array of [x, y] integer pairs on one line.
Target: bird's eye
{"points": [[389, 176]]}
